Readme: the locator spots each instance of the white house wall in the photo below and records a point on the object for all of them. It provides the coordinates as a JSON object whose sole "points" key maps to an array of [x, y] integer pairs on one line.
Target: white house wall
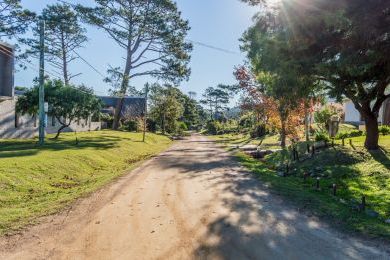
{"points": [[28, 125], [351, 113]]}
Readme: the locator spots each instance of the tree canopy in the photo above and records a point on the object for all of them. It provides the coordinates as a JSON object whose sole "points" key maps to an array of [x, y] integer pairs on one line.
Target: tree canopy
{"points": [[152, 34], [344, 44], [67, 103], [14, 20], [64, 34]]}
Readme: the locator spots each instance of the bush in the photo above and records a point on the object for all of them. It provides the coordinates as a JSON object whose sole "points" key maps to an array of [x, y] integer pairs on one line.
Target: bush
{"points": [[350, 134], [259, 130], [213, 127], [152, 125], [321, 136], [384, 129], [181, 127], [131, 126]]}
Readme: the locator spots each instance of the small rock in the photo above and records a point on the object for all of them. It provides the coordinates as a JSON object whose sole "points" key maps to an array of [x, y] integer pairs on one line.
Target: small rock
{"points": [[97, 222], [372, 213], [281, 174], [387, 221]]}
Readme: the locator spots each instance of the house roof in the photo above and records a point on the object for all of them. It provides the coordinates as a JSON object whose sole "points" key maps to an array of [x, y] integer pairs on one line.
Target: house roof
{"points": [[132, 106]]}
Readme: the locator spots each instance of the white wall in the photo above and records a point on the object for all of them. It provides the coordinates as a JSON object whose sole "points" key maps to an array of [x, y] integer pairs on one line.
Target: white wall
{"points": [[28, 126], [351, 113]]}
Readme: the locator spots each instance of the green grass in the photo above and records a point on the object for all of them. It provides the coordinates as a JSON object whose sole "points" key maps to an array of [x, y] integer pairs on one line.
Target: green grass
{"points": [[36, 181], [268, 142], [356, 172]]}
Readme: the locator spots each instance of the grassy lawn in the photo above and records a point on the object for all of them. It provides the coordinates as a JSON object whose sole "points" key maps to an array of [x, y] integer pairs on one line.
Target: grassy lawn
{"points": [[356, 172], [39, 181], [234, 140]]}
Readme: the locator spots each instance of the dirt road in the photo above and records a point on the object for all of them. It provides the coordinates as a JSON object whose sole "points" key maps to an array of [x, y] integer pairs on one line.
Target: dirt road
{"points": [[191, 202]]}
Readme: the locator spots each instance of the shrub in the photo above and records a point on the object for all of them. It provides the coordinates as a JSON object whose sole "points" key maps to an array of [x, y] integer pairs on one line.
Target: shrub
{"points": [[152, 125], [131, 125], [384, 129], [258, 131], [213, 127], [181, 127], [322, 136], [349, 134]]}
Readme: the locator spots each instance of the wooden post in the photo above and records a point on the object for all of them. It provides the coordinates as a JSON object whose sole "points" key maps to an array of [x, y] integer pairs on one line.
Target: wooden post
{"points": [[318, 183], [305, 175], [145, 111], [334, 189], [41, 98], [363, 205]]}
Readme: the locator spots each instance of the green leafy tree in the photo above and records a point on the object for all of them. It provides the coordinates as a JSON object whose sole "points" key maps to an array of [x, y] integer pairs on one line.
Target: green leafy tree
{"points": [[152, 34], [190, 113], [67, 103], [64, 35], [14, 20], [165, 107], [346, 45], [276, 73]]}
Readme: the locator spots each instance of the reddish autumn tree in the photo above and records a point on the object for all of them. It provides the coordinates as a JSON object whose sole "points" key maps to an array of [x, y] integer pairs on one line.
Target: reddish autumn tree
{"points": [[279, 113]]}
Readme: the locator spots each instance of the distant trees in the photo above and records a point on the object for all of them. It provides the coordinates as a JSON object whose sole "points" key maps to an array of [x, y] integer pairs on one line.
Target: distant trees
{"points": [[64, 34], [171, 109], [216, 99], [152, 34], [343, 44], [67, 103], [165, 107]]}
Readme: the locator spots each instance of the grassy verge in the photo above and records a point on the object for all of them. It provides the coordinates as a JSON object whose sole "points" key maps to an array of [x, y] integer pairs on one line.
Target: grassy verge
{"points": [[356, 172], [39, 181]]}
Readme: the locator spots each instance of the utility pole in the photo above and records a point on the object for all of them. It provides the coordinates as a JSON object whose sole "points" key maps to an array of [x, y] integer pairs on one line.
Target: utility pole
{"points": [[145, 110], [42, 115]]}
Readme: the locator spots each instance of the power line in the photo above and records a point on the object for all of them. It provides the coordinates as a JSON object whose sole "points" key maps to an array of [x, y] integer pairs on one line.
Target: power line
{"points": [[213, 47], [58, 76], [89, 64]]}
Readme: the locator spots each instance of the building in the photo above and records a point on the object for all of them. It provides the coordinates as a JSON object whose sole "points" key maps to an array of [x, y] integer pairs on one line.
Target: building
{"points": [[132, 106], [352, 115], [13, 125]]}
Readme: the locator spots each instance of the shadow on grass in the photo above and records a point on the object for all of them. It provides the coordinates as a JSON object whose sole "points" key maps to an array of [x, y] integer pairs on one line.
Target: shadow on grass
{"points": [[10, 149], [255, 224], [381, 156]]}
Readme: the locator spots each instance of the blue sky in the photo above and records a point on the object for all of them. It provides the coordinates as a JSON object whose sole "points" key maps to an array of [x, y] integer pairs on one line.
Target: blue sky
{"points": [[215, 22]]}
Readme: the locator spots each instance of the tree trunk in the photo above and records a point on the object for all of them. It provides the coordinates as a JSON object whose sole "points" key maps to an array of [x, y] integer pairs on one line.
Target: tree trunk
{"points": [[60, 130], [118, 113], [64, 60], [307, 132], [283, 135], [163, 124], [372, 137]]}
